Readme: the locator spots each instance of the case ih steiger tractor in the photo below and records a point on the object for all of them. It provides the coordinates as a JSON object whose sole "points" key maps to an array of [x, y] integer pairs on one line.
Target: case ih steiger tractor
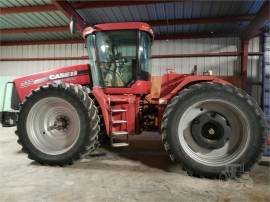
{"points": [[206, 123]]}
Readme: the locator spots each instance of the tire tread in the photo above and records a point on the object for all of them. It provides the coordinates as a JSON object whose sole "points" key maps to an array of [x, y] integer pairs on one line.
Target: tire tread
{"points": [[223, 87], [92, 141]]}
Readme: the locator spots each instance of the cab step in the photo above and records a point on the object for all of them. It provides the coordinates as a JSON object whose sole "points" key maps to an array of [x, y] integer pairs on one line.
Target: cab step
{"points": [[119, 100], [120, 144], [119, 121], [117, 133], [118, 110], [118, 115]]}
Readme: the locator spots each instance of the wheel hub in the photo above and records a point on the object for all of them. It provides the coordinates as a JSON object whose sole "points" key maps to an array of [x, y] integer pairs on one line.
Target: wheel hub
{"points": [[210, 130], [60, 123], [53, 125]]}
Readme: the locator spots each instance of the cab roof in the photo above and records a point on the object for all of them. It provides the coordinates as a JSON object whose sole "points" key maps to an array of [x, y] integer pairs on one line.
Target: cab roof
{"points": [[119, 26]]}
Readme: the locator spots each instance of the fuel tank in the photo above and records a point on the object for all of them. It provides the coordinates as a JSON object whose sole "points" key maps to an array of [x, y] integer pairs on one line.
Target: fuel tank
{"points": [[77, 74]]}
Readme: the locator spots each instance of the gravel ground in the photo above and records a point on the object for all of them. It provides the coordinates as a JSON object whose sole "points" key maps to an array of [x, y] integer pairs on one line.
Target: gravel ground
{"points": [[141, 172]]}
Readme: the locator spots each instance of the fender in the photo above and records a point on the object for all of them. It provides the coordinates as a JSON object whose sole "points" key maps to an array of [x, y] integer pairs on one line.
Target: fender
{"points": [[102, 100], [188, 80], [77, 74]]}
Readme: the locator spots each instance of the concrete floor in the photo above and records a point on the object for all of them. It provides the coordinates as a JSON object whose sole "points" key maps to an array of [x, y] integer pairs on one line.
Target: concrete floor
{"points": [[141, 172]]}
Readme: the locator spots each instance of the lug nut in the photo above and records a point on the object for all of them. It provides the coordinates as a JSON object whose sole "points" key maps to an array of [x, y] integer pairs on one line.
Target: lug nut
{"points": [[211, 131]]}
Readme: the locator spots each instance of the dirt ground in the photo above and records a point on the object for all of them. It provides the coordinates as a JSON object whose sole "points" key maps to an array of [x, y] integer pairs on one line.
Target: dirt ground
{"points": [[141, 172]]}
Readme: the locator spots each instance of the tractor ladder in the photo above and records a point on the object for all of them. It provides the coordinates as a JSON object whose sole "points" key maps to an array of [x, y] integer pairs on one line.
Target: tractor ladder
{"points": [[119, 122]]}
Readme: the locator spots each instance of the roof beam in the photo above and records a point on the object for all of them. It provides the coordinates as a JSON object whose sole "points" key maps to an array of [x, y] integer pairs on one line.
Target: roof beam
{"points": [[260, 20], [157, 37], [104, 4], [40, 42], [152, 23], [35, 30], [195, 35], [71, 13], [75, 5], [202, 20]]}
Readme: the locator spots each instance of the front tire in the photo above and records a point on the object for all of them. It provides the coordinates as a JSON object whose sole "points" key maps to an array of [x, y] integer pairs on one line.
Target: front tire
{"points": [[58, 124], [214, 130]]}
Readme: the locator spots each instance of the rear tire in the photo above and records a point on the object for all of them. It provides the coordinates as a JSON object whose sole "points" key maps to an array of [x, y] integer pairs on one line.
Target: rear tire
{"points": [[58, 124], [229, 153]]}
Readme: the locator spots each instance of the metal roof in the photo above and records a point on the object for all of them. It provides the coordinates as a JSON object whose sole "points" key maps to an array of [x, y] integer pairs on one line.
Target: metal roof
{"points": [[173, 10], [16, 3], [155, 11], [38, 36], [36, 19]]}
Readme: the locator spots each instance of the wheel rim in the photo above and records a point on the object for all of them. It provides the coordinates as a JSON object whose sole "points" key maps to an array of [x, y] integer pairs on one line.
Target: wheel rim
{"points": [[53, 125], [234, 147]]}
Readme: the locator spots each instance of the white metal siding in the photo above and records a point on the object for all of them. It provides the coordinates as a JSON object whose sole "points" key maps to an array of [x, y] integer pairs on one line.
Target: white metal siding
{"points": [[10, 68], [224, 66], [220, 65]]}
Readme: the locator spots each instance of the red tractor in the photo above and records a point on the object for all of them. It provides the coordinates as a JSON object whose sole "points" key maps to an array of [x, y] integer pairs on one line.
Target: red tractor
{"points": [[206, 124]]}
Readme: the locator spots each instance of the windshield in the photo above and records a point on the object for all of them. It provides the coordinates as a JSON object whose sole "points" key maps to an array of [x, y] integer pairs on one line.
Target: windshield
{"points": [[115, 57], [145, 55]]}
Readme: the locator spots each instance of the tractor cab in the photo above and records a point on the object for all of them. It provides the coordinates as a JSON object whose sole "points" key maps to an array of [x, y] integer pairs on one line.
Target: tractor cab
{"points": [[120, 54]]}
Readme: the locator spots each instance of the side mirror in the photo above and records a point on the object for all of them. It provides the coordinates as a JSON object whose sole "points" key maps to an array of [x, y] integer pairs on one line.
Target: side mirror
{"points": [[72, 26]]}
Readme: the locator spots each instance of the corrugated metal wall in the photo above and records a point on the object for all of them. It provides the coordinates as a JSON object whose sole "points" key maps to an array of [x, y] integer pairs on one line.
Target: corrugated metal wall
{"points": [[266, 79], [224, 66], [220, 65], [10, 68]]}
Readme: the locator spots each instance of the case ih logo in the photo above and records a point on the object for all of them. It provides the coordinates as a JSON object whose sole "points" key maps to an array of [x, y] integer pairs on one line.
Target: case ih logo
{"points": [[63, 75], [51, 77]]}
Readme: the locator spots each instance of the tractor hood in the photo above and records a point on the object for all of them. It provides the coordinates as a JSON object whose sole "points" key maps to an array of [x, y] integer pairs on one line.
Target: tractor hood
{"points": [[77, 74]]}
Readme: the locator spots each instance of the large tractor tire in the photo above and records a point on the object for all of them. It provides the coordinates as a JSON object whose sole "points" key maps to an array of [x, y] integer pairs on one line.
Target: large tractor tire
{"points": [[58, 124], [214, 130]]}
